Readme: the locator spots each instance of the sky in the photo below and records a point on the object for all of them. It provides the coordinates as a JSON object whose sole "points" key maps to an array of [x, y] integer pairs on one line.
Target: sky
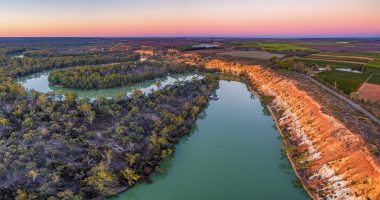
{"points": [[149, 18]]}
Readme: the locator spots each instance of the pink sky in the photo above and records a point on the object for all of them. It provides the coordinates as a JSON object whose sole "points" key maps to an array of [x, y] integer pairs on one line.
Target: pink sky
{"points": [[188, 18]]}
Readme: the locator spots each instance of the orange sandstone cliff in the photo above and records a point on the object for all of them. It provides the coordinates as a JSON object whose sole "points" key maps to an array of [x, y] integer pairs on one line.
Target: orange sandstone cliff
{"points": [[332, 161]]}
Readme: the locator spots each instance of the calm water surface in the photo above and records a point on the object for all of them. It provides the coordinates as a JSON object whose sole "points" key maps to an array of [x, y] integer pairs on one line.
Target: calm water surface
{"points": [[234, 153], [40, 83]]}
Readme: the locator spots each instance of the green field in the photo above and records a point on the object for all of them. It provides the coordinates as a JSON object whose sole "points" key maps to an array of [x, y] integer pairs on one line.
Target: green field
{"points": [[375, 70], [321, 43], [375, 63], [325, 63], [375, 79], [341, 59], [337, 58], [345, 81], [253, 54], [363, 53], [281, 47], [245, 44], [269, 46]]}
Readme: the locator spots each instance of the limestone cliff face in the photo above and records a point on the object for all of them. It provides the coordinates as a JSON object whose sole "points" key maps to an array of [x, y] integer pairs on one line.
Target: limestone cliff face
{"points": [[334, 162]]}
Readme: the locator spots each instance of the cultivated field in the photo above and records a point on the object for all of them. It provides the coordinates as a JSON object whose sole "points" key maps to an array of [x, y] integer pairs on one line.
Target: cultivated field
{"points": [[252, 54], [268, 46], [370, 92], [210, 51], [335, 60], [338, 58], [281, 47], [375, 79], [375, 63], [345, 81]]}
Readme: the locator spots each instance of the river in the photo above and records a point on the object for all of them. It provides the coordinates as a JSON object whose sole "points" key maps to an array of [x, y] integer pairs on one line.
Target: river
{"points": [[234, 152], [39, 82]]}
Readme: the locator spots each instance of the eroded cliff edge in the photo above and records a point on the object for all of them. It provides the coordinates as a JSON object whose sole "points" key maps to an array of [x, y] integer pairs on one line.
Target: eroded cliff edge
{"points": [[332, 159]]}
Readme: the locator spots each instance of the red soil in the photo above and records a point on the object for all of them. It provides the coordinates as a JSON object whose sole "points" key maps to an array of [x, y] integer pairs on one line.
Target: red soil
{"points": [[369, 91]]}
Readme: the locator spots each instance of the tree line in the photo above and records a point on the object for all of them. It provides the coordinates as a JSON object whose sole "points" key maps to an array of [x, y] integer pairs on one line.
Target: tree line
{"points": [[96, 77], [26, 65]]}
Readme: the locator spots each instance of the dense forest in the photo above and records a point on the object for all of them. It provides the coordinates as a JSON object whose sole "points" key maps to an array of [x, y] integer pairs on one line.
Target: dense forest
{"points": [[74, 149], [96, 77]]}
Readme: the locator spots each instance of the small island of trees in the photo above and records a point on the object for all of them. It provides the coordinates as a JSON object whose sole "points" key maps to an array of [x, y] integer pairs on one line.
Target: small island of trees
{"points": [[97, 77]]}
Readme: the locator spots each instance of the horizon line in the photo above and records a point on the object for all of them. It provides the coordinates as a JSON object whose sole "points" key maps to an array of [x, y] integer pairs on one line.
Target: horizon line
{"points": [[212, 36]]}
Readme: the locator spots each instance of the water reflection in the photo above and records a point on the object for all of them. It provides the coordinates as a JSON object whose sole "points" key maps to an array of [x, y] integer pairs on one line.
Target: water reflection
{"points": [[233, 153], [40, 83]]}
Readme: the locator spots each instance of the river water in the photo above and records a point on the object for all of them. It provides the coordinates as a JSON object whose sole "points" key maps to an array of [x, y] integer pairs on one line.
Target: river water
{"points": [[39, 82], [233, 153]]}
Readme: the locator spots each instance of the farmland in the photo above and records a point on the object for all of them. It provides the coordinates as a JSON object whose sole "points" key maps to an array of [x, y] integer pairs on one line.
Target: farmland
{"points": [[345, 81], [280, 47], [369, 92], [269, 46], [345, 59], [375, 79], [311, 62], [340, 59], [375, 63], [252, 54], [356, 54]]}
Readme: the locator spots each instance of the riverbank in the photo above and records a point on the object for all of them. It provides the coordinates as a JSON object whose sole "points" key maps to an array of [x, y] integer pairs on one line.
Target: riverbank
{"points": [[292, 163], [284, 142], [220, 158], [332, 161]]}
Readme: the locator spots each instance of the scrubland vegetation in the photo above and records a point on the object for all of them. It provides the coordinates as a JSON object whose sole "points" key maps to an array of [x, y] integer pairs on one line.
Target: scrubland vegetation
{"points": [[75, 149]]}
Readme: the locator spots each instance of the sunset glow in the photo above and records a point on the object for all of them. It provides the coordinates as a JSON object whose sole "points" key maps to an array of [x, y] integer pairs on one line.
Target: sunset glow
{"points": [[190, 18]]}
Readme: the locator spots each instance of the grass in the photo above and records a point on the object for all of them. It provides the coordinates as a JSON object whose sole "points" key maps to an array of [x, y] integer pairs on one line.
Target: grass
{"points": [[269, 46], [364, 54], [325, 63], [281, 47], [375, 70], [375, 79], [375, 63], [345, 81], [317, 56], [244, 44], [342, 59]]}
